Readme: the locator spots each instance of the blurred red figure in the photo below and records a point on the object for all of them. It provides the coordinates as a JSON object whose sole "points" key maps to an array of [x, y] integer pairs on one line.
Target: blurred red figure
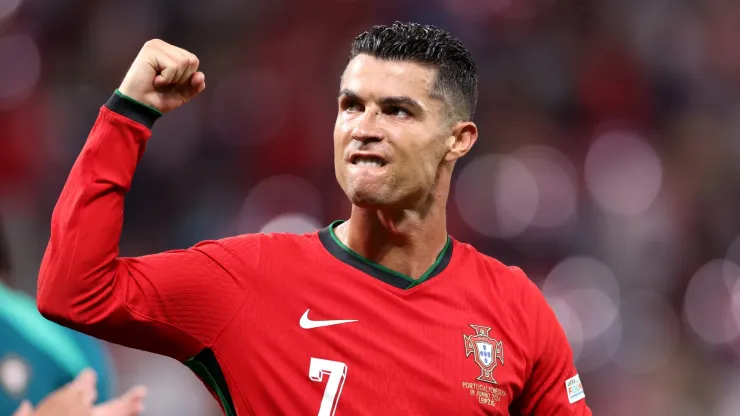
{"points": [[383, 313]]}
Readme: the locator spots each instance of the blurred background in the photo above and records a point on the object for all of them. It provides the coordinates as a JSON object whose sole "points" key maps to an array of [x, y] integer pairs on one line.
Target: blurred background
{"points": [[607, 166]]}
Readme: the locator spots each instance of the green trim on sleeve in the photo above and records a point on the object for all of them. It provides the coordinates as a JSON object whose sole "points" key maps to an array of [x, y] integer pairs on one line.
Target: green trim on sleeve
{"points": [[132, 109], [126, 97]]}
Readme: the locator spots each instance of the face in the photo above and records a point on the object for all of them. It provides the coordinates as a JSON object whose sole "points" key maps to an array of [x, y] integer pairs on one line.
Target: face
{"points": [[390, 136]]}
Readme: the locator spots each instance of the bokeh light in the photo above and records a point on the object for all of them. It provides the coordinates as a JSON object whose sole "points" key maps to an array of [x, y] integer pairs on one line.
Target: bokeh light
{"points": [[708, 303], [623, 173], [586, 287], [598, 352], [294, 223], [733, 251], [497, 195], [568, 319], [556, 178], [8, 8], [278, 195], [581, 273], [729, 402], [735, 312]]}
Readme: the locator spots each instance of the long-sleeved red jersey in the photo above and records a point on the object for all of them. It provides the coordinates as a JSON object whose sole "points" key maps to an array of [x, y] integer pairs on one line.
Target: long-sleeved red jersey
{"points": [[300, 324]]}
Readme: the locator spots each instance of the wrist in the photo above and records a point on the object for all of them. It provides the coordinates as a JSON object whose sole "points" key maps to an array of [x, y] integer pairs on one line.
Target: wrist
{"points": [[129, 97], [133, 109]]}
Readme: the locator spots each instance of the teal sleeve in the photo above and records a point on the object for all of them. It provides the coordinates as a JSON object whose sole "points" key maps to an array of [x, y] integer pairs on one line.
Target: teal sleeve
{"points": [[99, 359]]}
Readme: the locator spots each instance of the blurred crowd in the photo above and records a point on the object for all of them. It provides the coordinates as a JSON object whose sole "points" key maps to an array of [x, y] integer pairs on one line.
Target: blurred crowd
{"points": [[606, 166]]}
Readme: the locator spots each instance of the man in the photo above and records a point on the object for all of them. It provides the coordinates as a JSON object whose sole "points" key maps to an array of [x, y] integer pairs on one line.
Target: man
{"points": [[381, 314], [38, 357]]}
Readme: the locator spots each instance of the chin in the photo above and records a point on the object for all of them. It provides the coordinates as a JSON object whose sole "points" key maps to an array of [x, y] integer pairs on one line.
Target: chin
{"points": [[368, 202], [369, 198]]}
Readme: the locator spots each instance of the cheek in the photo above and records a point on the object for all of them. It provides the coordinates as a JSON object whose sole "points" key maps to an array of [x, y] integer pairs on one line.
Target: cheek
{"points": [[429, 158], [339, 146], [338, 140], [342, 131]]}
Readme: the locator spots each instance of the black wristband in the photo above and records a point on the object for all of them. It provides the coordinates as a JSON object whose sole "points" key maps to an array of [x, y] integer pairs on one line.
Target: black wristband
{"points": [[130, 108]]}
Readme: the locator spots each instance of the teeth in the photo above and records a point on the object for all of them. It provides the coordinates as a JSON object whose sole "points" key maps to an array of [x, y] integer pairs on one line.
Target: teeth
{"points": [[368, 161]]}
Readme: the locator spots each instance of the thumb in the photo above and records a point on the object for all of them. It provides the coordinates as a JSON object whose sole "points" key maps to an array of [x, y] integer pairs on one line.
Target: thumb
{"points": [[162, 80], [167, 75], [24, 410]]}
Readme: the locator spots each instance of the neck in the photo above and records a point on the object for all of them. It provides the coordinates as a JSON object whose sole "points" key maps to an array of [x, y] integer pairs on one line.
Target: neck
{"points": [[406, 241]]}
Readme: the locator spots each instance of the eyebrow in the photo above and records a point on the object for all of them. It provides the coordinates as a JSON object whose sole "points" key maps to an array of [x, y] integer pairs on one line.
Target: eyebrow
{"points": [[386, 101]]}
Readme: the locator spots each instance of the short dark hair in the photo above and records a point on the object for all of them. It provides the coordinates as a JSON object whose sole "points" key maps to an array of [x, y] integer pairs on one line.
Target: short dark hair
{"points": [[427, 45]]}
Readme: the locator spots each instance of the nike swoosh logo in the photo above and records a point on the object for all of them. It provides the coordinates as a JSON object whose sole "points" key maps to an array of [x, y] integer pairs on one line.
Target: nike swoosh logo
{"points": [[307, 323]]}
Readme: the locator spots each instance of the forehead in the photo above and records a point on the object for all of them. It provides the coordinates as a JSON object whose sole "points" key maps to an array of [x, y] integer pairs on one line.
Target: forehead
{"points": [[372, 77]]}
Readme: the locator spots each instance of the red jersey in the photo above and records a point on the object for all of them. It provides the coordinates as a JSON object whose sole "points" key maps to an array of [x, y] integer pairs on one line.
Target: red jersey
{"points": [[300, 324]]}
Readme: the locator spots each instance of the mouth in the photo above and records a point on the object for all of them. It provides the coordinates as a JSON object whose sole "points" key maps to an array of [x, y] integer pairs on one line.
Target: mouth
{"points": [[372, 161]]}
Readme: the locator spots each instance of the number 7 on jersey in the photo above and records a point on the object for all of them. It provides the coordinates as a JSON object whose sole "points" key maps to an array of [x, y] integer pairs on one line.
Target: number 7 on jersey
{"points": [[337, 374]]}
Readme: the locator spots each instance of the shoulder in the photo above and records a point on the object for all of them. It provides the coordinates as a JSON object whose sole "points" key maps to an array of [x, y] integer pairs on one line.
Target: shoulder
{"points": [[255, 248], [512, 292], [506, 286], [511, 279], [266, 241]]}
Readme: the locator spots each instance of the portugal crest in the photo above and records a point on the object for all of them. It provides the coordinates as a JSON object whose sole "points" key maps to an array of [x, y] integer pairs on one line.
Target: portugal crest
{"points": [[486, 352]]}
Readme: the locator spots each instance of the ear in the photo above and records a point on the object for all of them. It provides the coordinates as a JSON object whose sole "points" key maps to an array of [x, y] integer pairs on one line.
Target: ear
{"points": [[463, 137]]}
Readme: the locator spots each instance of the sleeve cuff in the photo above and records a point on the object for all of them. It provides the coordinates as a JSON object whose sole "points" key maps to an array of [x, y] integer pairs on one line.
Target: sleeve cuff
{"points": [[132, 109]]}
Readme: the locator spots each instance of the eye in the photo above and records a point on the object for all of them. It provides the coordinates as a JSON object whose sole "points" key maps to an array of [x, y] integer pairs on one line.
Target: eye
{"points": [[351, 106], [398, 111]]}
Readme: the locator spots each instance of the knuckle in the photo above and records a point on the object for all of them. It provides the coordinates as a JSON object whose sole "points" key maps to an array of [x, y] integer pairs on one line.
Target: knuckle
{"points": [[153, 42]]}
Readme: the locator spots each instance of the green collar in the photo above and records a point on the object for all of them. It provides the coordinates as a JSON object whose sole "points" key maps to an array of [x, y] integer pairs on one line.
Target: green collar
{"points": [[350, 257]]}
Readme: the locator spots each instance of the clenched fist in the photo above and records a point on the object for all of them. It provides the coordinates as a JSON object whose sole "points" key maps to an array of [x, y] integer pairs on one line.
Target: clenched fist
{"points": [[163, 76]]}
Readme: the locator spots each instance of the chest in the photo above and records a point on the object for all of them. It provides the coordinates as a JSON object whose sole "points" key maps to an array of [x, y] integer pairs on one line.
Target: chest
{"points": [[347, 345]]}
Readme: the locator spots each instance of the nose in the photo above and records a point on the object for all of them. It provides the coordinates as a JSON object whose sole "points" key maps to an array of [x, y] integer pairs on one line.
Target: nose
{"points": [[367, 129]]}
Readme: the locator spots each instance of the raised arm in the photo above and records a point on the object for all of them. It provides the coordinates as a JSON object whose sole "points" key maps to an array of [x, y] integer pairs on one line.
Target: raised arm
{"points": [[173, 303]]}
